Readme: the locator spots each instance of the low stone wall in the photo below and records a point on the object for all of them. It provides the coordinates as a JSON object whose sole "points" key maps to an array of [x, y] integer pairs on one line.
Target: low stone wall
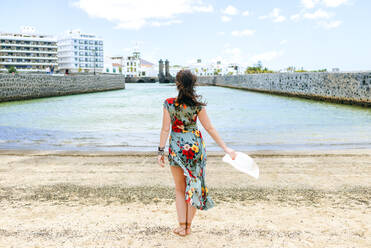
{"points": [[28, 86], [349, 88], [141, 79]]}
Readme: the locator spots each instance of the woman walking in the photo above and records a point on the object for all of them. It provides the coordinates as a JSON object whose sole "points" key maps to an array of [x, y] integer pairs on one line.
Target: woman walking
{"points": [[187, 152]]}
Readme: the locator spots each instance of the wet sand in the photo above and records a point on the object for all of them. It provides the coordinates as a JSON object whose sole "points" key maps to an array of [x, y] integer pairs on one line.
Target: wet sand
{"points": [[124, 199]]}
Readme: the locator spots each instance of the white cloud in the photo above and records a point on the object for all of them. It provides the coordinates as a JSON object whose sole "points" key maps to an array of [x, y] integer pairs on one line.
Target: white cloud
{"points": [[266, 56], [295, 17], [129, 14], [309, 4], [246, 13], [319, 14], [274, 15], [166, 23], [231, 54], [283, 42], [234, 51], [221, 33], [245, 32], [226, 18], [230, 10], [329, 25], [201, 8], [334, 3]]}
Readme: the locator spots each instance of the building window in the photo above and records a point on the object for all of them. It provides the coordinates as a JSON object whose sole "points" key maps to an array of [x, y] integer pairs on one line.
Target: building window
{"points": [[107, 70]]}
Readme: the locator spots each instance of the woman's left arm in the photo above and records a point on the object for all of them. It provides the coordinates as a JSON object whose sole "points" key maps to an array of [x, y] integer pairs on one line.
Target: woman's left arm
{"points": [[164, 134]]}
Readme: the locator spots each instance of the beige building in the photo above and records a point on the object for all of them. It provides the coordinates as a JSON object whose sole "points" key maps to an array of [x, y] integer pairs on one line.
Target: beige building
{"points": [[27, 51]]}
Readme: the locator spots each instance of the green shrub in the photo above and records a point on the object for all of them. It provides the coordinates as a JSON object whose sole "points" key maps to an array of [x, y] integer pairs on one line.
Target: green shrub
{"points": [[12, 69]]}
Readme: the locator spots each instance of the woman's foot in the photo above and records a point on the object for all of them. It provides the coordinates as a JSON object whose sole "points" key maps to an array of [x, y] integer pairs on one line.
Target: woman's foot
{"points": [[181, 229], [188, 228]]}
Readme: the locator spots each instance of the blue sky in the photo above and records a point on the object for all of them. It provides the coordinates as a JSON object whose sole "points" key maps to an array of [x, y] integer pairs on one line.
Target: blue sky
{"points": [[312, 34]]}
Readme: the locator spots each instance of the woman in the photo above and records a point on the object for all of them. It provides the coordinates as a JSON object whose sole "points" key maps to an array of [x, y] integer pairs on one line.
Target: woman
{"points": [[187, 154]]}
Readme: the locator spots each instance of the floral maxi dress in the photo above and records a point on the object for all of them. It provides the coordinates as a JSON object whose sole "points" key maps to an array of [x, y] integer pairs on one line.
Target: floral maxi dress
{"points": [[187, 150]]}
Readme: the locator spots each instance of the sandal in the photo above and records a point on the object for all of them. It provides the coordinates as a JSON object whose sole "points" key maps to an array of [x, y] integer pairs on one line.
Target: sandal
{"points": [[188, 228], [181, 231]]}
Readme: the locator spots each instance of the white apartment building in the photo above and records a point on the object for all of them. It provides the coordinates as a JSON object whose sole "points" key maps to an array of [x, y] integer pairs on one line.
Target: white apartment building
{"points": [[78, 52], [27, 51], [113, 65], [148, 69], [202, 69], [131, 65]]}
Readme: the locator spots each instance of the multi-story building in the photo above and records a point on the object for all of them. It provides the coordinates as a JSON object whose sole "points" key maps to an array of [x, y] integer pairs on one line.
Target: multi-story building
{"points": [[78, 52], [27, 51], [113, 65], [202, 69], [148, 69], [131, 65]]}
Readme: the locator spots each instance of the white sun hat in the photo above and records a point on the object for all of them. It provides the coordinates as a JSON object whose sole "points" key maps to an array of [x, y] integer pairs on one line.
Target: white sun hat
{"points": [[243, 163]]}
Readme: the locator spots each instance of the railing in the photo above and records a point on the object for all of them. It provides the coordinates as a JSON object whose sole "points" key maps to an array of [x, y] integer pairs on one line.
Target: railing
{"points": [[26, 45], [23, 51], [26, 57], [28, 63]]}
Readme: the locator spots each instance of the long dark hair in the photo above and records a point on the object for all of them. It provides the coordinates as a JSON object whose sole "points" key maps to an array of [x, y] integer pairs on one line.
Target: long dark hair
{"points": [[185, 81]]}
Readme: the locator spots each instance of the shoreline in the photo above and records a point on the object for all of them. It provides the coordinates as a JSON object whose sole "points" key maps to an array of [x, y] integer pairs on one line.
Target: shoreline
{"points": [[257, 153]]}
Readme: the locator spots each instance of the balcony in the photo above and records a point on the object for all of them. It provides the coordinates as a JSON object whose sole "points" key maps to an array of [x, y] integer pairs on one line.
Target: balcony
{"points": [[27, 45], [26, 57], [25, 63]]}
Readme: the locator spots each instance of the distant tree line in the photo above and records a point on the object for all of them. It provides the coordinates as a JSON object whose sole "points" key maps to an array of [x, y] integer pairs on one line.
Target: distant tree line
{"points": [[257, 68], [293, 69]]}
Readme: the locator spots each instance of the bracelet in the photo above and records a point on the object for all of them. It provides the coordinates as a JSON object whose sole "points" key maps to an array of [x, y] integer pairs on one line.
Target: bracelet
{"points": [[161, 151]]}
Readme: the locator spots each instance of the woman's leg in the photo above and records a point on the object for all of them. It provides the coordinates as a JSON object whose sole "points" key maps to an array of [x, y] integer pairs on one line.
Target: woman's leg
{"points": [[190, 214], [180, 186]]}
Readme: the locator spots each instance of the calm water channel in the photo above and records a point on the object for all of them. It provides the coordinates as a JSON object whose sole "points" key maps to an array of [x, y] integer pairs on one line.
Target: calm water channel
{"points": [[130, 120]]}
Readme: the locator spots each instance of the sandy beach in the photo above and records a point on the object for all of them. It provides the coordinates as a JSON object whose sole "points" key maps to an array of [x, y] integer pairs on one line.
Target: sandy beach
{"points": [[124, 199]]}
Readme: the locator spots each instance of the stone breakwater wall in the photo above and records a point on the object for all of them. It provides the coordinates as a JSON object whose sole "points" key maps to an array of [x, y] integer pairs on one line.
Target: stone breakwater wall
{"points": [[348, 88], [29, 86]]}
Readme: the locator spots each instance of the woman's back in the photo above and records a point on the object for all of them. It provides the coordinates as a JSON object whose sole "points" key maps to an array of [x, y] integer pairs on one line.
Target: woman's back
{"points": [[183, 117]]}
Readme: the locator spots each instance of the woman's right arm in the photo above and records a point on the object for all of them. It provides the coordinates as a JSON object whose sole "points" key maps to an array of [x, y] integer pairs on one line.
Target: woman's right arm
{"points": [[206, 123]]}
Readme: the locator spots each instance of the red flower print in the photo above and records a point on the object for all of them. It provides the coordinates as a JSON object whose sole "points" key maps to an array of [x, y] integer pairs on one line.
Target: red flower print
{"points": [[189, 153], [170, 100], [177, 126], [190, 173]]}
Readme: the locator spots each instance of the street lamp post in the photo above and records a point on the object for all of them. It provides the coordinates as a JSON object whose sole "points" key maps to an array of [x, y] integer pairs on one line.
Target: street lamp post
{"points": [[95, 50]]}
